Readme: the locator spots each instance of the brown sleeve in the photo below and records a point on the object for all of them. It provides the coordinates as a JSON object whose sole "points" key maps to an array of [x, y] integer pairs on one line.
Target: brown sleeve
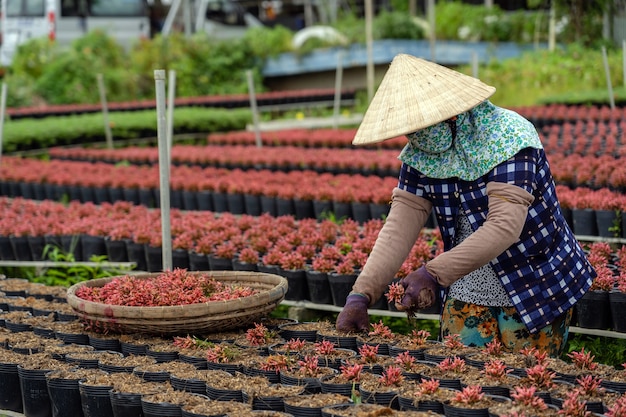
{"points": [[407, 216], [508, 208]]}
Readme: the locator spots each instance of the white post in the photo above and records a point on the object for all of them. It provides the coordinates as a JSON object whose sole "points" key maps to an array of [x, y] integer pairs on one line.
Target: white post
{"points": [[187, 18], [171, 95], [3, 105], [170, 18], [164, 172], [105, 112], [624, 62], [552, 28], [474, 64], [431, 22], [369, 43], [254, 108], [607, 73], [338, 82]]}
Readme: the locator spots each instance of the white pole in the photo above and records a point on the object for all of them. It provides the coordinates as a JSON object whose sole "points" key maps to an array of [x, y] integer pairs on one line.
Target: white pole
{"points": [[552, 28], [255, 109], [187, 18], [624, 62], [369, 43], [338, 82], [432, 23], [607, 72], [164, 172], [171, 95], [474, 64], [105, 112], [3, 105], [170, 18]]}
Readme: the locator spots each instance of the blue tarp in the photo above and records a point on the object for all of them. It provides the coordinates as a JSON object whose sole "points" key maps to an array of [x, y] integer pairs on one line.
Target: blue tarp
{"points": [[446, 53]]}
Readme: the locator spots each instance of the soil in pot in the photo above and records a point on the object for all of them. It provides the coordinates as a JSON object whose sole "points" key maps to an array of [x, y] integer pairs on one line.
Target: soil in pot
{"points": [[199, 406], [195, 381], [160, 371], [231, 388], [270, 397], [311, 405], [120, 363]]}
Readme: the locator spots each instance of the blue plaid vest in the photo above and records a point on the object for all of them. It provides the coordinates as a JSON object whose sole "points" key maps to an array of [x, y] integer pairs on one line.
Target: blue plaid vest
{"points": [[546, 271]]}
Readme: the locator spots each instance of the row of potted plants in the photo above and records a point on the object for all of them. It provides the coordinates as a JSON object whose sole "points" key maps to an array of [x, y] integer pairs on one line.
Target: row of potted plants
{"points": [[585, 138], [305, 194], [400, 372], [320, 259], [574, 170], [265, 98]]}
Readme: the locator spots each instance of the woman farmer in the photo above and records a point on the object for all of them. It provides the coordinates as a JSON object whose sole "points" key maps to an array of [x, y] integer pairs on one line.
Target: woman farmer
{"points": [[511, 268]]}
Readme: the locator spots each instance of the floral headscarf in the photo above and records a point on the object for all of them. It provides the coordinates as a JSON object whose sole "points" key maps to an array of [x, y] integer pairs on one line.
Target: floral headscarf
{"points": [[485, 136]]}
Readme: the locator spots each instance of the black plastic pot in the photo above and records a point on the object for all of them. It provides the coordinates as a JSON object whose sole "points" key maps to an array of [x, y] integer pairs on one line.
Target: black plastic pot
{"points": [[386, 398], [72, 338], [133, 349], [10, 388], [288, 331], [125, 404], [152, 376], [617, 300], [298, 289], [151, 409], [111, 345], [219, 394], [96, 400], [34, 388], [64, 397], [198, 262], [220, 264], [198, 362], [194, 386], [340, 287], [265, 403], [319, 288], [328, 387], [116, 250], [593, 310]]}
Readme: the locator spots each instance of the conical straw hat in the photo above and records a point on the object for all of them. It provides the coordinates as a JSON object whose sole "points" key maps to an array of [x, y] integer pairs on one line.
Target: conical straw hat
{"points": [[415, 94]]}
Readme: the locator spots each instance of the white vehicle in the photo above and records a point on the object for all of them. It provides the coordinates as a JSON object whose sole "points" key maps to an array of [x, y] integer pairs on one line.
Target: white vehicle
{"points": [[65, 20]]}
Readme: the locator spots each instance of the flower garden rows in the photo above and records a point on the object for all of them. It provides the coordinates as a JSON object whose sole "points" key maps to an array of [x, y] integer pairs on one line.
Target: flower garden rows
{"points": [[321, 259], [285, 366]]}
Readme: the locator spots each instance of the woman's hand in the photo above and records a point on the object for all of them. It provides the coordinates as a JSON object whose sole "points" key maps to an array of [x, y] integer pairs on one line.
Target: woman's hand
{"points": [[353, 317], [420, 291]]}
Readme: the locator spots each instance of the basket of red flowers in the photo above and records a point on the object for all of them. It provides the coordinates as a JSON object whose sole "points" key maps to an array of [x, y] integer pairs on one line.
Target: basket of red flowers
{"points": [[177, 301]]}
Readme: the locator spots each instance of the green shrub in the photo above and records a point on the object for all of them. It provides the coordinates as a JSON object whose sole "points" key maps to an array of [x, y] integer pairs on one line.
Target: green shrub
{"points": [[396, 25]]}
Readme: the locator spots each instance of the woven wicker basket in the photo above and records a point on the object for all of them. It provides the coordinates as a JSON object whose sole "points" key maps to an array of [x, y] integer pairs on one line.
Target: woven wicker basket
{"points": [[185, 319]]}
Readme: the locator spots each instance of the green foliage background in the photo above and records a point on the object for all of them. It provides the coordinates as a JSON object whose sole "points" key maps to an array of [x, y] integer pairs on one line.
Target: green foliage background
{"points": [[43, 72]]}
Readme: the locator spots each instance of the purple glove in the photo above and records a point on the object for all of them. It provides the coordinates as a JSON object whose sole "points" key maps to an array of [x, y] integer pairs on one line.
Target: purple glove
{"points": [[420, 291], [353, 317]]}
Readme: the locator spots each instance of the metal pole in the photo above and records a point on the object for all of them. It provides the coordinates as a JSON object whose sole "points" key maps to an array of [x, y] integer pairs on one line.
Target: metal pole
{"points": [[105, 112], [255, 109], [171, 93], [607, 72], [338, 82], [164, 172], [3, 105], [369, 42]]}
